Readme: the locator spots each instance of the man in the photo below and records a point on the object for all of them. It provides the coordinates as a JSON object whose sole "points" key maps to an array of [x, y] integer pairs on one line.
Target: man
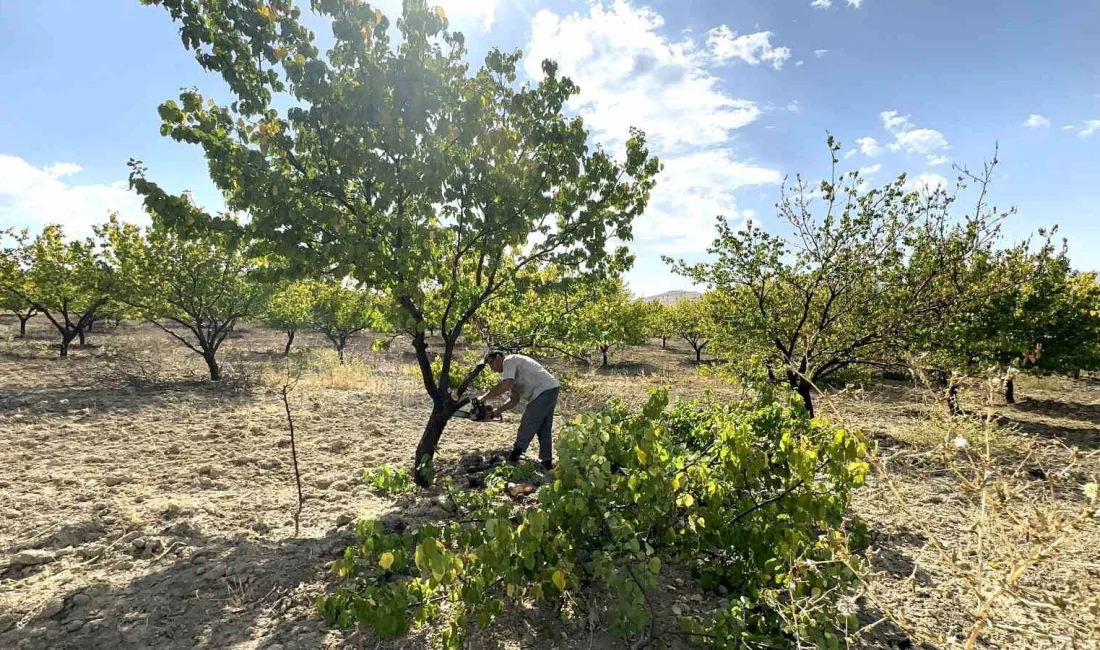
{"points": [[528, 381]]}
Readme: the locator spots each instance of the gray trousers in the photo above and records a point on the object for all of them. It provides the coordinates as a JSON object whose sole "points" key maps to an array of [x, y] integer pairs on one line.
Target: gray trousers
{"points": [[538, 418]]}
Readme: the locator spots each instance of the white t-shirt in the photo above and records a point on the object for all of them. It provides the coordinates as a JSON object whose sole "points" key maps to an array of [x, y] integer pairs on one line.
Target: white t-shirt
{"points": [[529, 378]]}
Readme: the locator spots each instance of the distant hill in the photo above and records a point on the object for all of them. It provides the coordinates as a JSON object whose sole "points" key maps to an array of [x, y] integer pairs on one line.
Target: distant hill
{"points": [[673, 297]]}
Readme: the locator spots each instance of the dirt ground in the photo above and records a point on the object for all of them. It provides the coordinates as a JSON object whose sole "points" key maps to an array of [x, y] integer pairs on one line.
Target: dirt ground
{"points": [[142, 507]]}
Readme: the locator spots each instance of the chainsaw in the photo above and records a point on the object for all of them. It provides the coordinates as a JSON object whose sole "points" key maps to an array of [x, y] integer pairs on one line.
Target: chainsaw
{"points": [[478, 411]]}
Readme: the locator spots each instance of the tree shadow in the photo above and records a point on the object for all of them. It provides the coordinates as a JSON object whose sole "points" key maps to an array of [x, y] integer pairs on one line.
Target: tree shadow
{"points": [[880, 633], [210, 593], [1066, 410], [1087, 438], [628, 368], [891, 551], [113, 396]]}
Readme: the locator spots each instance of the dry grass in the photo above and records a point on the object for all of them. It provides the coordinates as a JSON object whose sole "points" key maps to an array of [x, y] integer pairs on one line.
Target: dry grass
{"points": [[126, 441]]}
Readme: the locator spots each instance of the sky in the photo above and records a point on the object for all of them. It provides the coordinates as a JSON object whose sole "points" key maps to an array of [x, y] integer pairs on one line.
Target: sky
{"points": [[734, 96]]}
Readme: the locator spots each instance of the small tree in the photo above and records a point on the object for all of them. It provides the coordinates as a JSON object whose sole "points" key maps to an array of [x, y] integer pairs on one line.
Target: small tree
{"points": [[695, 321], [1049, 323], [195, 290], [392, 164], [658, 321], [863, 282], [341, 312], [63, 280], [576, 318], [290, 308], [614, 320], [12, 300]]}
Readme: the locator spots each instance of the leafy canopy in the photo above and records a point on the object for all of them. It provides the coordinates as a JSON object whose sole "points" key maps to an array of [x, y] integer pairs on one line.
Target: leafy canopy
{"points": [[290, 306], [193, 289], [1049, 322], [340, 311], [864, 277], [63, 279], [695, 320], [576, 318], [394, 164]]}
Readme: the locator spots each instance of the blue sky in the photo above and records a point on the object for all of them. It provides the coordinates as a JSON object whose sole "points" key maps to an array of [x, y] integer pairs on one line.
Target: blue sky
{"points": [[734, 95]]}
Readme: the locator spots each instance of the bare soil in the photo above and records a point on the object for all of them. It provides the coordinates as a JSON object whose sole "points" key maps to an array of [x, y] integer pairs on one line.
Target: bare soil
{"points": [[144, 507]]}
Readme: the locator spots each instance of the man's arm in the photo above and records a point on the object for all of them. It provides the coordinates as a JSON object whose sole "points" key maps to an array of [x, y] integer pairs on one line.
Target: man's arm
{"points": [[509, 405], [504, 386]]}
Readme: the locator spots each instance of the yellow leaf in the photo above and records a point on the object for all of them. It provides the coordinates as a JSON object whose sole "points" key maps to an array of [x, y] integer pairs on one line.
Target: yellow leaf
{"points": [[640, 455], [440, 13], [676, 483], [386, 561], [559, 579]]}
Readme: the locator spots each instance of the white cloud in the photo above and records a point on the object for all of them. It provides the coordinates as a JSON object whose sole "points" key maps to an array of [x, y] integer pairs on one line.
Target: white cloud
{"points": [[621, 64], [934, 160], [892, 121], [910, 139], [462, 15], [1090, 127], [925, 182], [692, 190], [820, 53], [822, 4], [33, 197], [619, 59], [59, 169], [849, 153], [1068, 127], [753, 49], [798, 63], [1035, 121], [870, 171], [793, 106], [922, 141], [868, 146], [855, 3]]}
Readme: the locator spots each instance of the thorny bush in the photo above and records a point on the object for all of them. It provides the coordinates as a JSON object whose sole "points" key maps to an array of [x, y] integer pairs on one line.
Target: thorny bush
{"points": [[752, 497]]}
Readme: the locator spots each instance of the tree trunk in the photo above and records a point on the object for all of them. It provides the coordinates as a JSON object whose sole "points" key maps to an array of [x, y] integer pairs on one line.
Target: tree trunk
{"points": [[66, 340], [340, 352], [807, 397], [664, 342], [803, 388], [212, 364], [953, 401], [23, 326], [1076, 373], [289, 341], [698, 355], [80, 335], [1010, 391], [603, 354], [88, 328], [423, 470]]}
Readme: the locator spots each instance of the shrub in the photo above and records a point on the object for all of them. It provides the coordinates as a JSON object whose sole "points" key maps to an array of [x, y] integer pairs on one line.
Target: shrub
{"points": [[750, 496], [388, 480]]}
